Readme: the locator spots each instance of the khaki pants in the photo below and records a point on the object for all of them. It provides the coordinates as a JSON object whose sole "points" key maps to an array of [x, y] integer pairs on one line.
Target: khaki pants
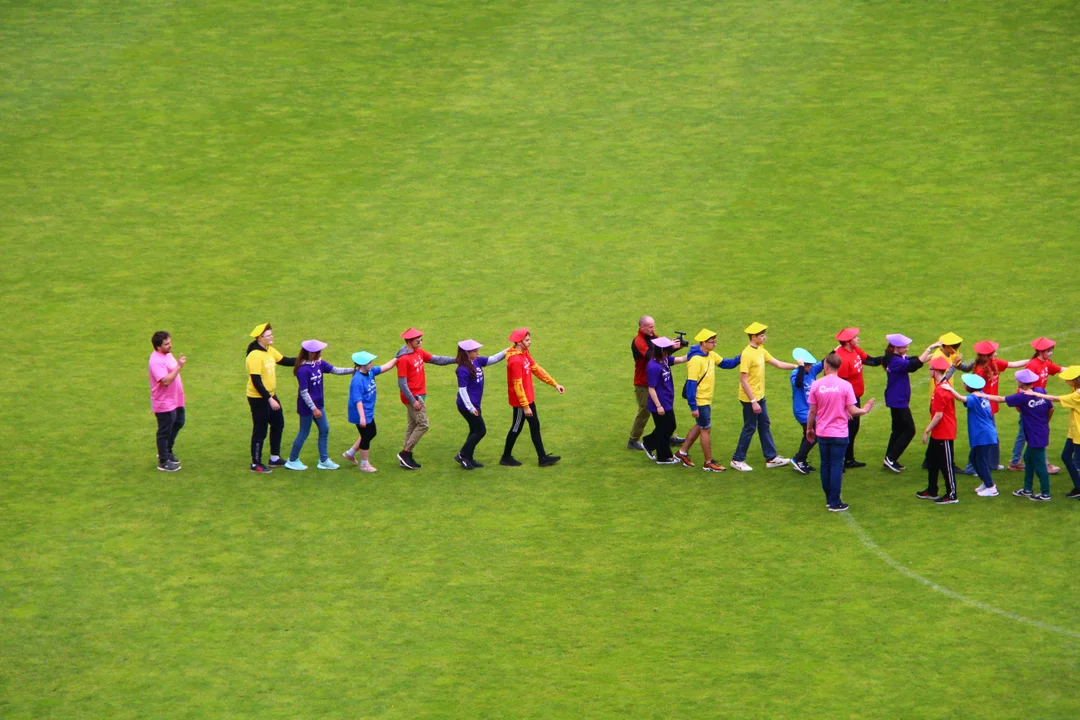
{"points": [[641, 392], [416, 426]]}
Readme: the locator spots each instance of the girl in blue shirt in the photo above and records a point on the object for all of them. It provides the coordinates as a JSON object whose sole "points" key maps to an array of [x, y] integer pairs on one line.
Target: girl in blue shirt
{"points": [[362, 393]]}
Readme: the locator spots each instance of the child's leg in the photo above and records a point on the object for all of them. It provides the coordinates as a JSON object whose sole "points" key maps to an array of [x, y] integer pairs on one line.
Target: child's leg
{"points": [[364, 443], [691, 437], [1038, 457], [1070, 458], [301, 438], [1018, 446], [706, 443], [324, 438], [1029, 469], [980, 459]]}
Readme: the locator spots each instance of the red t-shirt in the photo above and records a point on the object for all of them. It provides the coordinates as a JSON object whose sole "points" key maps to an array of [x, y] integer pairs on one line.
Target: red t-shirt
{"points": [[943, 402], [992, 381], [411, 367], [851, 368], [641, 348], [1044, 369], [519, 367]]}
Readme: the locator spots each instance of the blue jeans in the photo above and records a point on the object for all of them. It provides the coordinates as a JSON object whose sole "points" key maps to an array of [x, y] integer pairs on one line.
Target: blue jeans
{"points": [[760, 423], [981, 456], [305, 430], [1018, 446], [832, 467], [1070, 457]]}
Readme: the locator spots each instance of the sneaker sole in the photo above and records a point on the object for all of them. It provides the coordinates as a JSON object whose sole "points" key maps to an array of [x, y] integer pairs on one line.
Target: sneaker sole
{"points": [[351, 460]]}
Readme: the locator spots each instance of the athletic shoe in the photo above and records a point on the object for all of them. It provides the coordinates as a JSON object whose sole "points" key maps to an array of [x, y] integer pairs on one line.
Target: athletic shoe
{"points": [[969, 470], [327, 464], [260, 468], [947, 500], [1016, 467], [676, 441], [634, 445], [902, 467], [740, 466], [405, 460], [684, 459], [173, 458], [549, 460], [368, 468], [890, 465], [810, 467], [800, 468], [650, 454], [462, 462], [926, 495], [168, 466], [1052, 469], [277, 463], [350, 458], [1041, 497], [999, 468], [669, 461], [1074, 493], [295, 465], [712, 466], [850, 464], [475, 463], [509, 461], [991, 491], [839, 508], [414, 462], [1022, 493], [777, 461]]}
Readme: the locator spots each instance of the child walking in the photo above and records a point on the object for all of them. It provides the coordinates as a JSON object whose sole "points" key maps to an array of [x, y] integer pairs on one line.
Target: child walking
{"points": [[470, 380], [362, 393], [1035, 413], [940, 435], [982, 431], [309, 403], [1070, 454], [801, 380], [661, 402]]}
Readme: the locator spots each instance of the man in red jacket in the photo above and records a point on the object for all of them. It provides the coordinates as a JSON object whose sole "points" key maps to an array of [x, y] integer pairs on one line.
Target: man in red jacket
{"points": [[641, 348], [520, 367]]}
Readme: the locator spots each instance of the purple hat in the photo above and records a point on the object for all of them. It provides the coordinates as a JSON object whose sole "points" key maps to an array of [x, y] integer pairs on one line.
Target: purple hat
{"points": [[468, 345], [662, 342], [1026, 376], [898, 340], [313, 345]]}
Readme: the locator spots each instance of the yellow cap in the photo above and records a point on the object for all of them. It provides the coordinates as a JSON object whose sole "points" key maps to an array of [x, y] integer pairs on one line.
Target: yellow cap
{"points": [[259, 329], [1070, 373], [754, 328], [950, 338], [704, 335]]}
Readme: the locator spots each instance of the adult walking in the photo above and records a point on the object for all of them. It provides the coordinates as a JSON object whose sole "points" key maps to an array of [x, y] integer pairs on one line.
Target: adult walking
{"points": [[832, 403], [470, 377], [641, 349], [262, 361], [520, 368], [309, 371], [853, 358], [752, 396], [898, 370], [166, 398], [702, 361], [412, 386], [661, 401]]}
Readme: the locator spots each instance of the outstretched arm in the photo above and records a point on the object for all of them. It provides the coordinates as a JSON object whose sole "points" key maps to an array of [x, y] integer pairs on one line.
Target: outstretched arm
{"points": [[782, 365], [856, 411], [388, 365], [991, 398], [442, 360]]}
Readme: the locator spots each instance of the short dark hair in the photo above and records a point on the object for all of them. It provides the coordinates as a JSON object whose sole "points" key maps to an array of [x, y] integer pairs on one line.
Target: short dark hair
{"points": [[159, 338], [833, 360]]}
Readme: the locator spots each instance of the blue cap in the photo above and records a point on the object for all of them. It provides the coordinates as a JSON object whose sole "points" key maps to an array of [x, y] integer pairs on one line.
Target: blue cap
{"points": [[363, 357], [803, 356], [973, 381]]}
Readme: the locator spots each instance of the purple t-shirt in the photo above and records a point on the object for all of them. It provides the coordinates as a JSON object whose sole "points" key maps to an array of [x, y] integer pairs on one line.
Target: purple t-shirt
{"points": [[898, 380], [658, 376], [310, 377], [472, 379], [832, 395], [1035, 416]]}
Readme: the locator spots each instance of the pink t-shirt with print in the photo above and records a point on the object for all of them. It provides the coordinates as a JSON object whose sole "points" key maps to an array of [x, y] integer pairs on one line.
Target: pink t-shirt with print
{"points": [[832, 395], [164, 398]]}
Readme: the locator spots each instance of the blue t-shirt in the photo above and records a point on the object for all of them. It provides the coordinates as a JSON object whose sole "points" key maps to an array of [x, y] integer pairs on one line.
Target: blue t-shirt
{"points": [[309, 376], [658, 375], [981, 427], [362, 389], [800, 397], [1035, 416]]}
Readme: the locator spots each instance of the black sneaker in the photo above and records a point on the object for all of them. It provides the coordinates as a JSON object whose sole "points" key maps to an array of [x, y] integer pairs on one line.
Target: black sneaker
{"points": [[890, 465], [173, 458], [549, 460], [947, 500], [405, 460], [1041, 497], [650, 454], [414, 462], [810, 467], [509, 461], [280, 462], [168, 466], [1022, 493], [902, 467], [839, 508], [801, 468], [851, 464], [475, 463], [676, 441], [926, 495], [463, 462], [260, 468], [1074, 493]]}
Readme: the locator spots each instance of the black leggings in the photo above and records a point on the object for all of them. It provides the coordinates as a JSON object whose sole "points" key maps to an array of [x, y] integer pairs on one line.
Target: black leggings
{"points": [[366, 434], [515, 429], [903, 432], [805, 446], [477, 431], [658, 442], [168, 426], [852, 431], [261, 418]]}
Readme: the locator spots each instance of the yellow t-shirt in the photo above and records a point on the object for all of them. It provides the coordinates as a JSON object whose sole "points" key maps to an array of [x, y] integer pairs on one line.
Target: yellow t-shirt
{"points": [[1072, 401], [753, 364], [264, 363], [702, 370], [954, 359]]}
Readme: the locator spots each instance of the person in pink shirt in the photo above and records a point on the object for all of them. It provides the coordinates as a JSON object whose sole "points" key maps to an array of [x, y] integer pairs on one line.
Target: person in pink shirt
{"points": [[832, 404], [166, 398]]}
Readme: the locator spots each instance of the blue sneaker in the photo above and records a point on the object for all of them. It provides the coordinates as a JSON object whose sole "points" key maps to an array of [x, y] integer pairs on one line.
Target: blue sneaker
{"points": [[295, 465], [327, 465]]}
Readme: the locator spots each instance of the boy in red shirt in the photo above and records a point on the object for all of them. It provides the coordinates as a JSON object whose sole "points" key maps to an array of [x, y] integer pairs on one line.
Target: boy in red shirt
{"points": [[412, 384], [520, 367], [941, 433], [852, 360]]}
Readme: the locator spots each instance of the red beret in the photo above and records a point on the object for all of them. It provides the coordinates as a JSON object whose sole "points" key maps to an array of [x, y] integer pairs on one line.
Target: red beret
{"points": [[519, 334]]}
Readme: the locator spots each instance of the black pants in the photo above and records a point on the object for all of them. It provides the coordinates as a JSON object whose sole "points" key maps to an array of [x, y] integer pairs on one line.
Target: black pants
{"points": [[477, 431], [366, 434], [169, 425], [658, 442], [852, 431], [804, 447], [263, 417], [940, 459], [903, 432], [515, 429]]}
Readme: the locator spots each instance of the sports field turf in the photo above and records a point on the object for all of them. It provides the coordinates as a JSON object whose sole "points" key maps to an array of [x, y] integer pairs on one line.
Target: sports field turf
{"points": [[348, 170]]}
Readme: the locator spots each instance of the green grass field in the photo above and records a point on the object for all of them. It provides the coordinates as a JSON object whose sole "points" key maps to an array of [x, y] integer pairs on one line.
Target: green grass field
{"points": [[347, 170]]}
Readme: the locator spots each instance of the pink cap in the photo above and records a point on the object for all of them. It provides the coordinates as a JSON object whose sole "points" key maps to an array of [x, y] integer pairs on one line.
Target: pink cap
{"points": [[940, 363], [519, 334], [662, 342], [1043, 343], [313, 345], [469, 345], [1026, 376], [847, 334], [986, 347], [411, 334], [898, 340]]}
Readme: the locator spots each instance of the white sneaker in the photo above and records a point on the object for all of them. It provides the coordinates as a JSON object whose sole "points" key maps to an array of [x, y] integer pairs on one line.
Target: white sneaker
{"points": [[991, 491], [327, 464], [741, 466], [368, 467], [778, 461], [295, 465]]}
